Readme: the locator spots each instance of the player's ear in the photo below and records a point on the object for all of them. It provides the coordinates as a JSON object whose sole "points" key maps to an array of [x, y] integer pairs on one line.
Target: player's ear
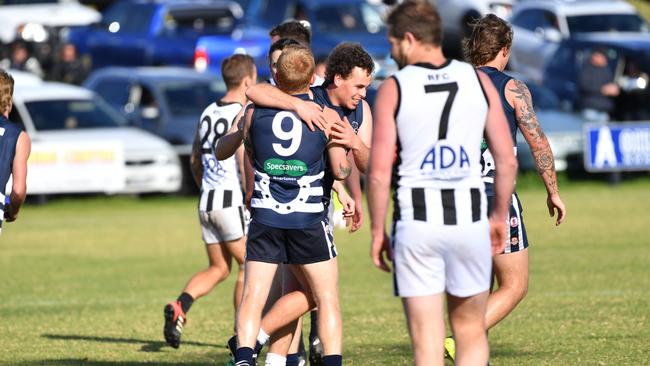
{"points": [[312, 80]]}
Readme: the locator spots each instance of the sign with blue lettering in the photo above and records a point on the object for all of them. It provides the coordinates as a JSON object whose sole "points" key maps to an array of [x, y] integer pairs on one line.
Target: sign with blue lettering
{"points": [[617, 147]]}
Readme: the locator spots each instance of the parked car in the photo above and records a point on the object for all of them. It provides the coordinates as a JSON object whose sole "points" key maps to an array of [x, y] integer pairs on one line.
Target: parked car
{"points": [[141, 33], [80, 144], [331, 21], [563, 129], [167, 101], [628, 58], [539, 26], [458, 14]]}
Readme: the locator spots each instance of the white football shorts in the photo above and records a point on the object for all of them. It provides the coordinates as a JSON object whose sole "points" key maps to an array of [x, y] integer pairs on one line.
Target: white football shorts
{"points": [[223, 225], [429, 259]]}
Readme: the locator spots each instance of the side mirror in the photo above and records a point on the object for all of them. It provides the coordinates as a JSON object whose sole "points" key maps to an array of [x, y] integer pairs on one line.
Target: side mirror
{"points": [[552, 35]]}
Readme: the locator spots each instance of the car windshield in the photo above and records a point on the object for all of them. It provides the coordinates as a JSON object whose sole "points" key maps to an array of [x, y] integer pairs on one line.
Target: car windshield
{"points": [[607, 23], [189, 98], [200, 21], [352, 17], [68, 114]]}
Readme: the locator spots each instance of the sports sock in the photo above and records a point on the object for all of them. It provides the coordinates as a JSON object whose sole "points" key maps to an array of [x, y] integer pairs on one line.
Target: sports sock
{"points": [[244, 356], [274, 359], [313, 331], [293, 359], [186, 301], [333, 360], [262, 337]]}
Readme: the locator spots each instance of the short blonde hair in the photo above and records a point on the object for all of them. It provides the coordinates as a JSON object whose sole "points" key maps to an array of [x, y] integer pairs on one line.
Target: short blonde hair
{"points": [[6, 90], [295, 69]]}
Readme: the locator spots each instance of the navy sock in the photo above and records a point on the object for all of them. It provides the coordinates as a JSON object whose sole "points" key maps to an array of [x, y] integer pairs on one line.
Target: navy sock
{"points": [[244, 356], [186, 301], [293, 359], [333, 360]]}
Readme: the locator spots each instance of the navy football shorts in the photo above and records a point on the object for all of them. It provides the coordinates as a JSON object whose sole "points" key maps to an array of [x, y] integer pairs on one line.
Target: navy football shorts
{"points": [[292, 246], [517, 239]]}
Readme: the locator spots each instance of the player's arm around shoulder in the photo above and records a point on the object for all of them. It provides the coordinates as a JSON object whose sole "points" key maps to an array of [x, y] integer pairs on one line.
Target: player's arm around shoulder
{"points": [[19, 173], [520, 98], [270, 96], [227, 144]]}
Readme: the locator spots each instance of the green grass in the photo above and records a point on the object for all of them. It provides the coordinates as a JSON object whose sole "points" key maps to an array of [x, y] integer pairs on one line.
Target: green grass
{"points": [[84, 281]]}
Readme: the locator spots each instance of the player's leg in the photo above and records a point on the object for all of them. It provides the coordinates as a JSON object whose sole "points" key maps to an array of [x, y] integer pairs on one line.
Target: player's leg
{"points": [[237, 250], [511, 271], [265, 248], [468, 272], [467, 320], [219, 236], [426, 327], [323, 280]]}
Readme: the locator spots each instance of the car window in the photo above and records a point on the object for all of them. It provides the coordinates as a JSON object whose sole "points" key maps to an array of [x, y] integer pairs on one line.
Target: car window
{"points": [[189, 98], [354, 17], [528, 19], [268, 13], [607, 23], [139, 18], [549, 20], [543, 98], [67, 114], [200, 20], [114, 91]]}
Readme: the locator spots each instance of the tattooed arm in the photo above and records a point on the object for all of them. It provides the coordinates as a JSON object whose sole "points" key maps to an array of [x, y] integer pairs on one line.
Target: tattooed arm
{"points": [[519, 97]]}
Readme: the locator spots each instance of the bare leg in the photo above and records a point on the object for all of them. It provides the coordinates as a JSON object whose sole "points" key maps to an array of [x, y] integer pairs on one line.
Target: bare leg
{"points": [[257, 283], [323, 280], [283, 332], [219, 259], [467, 319], [426, 328], [237, 250], [511, 271]]}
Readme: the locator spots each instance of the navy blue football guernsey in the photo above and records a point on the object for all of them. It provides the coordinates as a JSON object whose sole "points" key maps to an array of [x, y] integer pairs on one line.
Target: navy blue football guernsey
{"points": [[499, 79], [9, 133], [354, 117], [289, 164]]}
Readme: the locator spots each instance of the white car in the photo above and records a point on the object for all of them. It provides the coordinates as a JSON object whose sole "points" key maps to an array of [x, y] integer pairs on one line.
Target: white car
{"points": [[539, 26], [34, 21], [80, 144]]}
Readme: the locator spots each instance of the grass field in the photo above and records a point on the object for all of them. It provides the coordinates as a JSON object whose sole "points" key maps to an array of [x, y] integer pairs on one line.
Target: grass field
{"points": [[84, 281]]}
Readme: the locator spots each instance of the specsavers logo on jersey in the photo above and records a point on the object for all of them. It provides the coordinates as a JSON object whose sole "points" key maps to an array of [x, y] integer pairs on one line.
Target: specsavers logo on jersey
{"points": [[292, 168]]}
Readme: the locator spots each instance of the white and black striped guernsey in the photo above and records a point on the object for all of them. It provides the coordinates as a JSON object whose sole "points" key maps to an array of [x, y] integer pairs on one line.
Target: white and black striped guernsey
{"points": [[220, 184], [440, 118]]}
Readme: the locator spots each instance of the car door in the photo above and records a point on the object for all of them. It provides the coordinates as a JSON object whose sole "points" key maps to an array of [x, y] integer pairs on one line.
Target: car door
{"points": [[115, 91]]}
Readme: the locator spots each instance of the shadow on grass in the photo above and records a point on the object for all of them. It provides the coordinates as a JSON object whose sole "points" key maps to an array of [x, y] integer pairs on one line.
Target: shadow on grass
{"points": [[147, 345]]}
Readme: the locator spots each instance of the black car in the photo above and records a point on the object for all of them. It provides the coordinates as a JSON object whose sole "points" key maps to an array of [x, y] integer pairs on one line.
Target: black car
{"points": [[629, 61]]}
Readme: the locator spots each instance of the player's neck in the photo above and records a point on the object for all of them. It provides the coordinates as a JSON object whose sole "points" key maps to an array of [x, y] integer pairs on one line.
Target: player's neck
{"points": [[496, 63], [332, 95], [427, 54], [235, 96]]}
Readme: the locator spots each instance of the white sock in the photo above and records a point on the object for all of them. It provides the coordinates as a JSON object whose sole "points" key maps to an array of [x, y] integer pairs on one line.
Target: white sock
{"points": [[274, 359], [262, 337]]}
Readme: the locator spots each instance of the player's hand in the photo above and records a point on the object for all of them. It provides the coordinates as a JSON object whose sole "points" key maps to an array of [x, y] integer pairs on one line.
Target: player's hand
{"points": [[498, 234], [343, 134], [311, 114], [357, 219], [380, 251], [554, 203], [349, 206]]}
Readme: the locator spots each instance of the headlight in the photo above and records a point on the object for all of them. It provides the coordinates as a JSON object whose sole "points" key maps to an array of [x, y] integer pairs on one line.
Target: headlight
{"points": [[168, 159], [33, 32], [501, 10]]}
